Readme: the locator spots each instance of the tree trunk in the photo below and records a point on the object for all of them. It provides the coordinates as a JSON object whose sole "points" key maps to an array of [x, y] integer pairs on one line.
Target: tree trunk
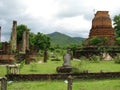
{"points": [[45, 55]]}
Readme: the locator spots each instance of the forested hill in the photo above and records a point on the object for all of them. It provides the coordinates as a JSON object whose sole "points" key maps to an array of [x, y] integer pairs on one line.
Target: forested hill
{"points": [[64, 40]]}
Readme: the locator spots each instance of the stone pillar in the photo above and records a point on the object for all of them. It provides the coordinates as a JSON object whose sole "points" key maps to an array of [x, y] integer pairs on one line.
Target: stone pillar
{"points": [[24, 41], [3, 83], [13, 41], [70, 82], [27, 40]]}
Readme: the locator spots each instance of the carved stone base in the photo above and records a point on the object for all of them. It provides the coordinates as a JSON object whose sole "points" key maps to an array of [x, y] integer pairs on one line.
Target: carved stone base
{"points": [[64, 69]]}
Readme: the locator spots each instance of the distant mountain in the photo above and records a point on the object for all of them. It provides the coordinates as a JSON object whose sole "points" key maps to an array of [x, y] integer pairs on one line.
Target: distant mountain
{"points": [[64, 40]]}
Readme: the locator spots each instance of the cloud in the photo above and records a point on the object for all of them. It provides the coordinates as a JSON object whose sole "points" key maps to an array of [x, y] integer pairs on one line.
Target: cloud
{"points": [[72, 17]]}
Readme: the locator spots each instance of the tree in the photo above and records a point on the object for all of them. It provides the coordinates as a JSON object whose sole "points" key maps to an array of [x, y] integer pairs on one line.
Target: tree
{"points": [[117, 25], [0, 45], [95, 41], [42, 42], [99, 41], [31, 39], [118, 40], [20, 29]]}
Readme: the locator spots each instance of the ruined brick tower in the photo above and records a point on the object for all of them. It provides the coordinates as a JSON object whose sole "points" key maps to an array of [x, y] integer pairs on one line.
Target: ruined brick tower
{"points": [[102, 27]]}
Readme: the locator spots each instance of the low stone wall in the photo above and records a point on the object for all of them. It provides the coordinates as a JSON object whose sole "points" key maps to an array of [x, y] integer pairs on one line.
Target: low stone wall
{"points": [[6, 59], [32, 77]]}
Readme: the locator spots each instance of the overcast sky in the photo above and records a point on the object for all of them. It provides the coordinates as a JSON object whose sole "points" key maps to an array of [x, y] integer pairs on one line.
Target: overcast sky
{"points": [[72, 17]]}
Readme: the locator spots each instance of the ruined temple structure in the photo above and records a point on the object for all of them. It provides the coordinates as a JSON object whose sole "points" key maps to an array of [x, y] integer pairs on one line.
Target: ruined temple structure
{"points": [[13, 51], [102, 27]]}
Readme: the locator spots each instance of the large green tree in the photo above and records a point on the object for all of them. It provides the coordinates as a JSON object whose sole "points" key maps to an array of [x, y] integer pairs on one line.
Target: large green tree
{"points": [[42, 42], [117, 25]]}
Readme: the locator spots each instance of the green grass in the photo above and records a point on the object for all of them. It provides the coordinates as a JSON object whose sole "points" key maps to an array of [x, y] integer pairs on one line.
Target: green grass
{"points": [[105, 66], [38, 85], [50, 67], [2, 71], [113, 84], [97, 85]]}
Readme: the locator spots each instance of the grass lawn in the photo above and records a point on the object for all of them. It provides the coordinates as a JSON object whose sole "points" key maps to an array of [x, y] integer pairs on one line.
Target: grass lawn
{"points": [[50, 67], [105, 66], [2, 71], [113, 84]]}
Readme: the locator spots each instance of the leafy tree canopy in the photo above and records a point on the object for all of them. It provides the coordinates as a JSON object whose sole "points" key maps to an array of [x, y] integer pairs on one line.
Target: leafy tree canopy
{"points": [[95, 41], [20, 29], [118, 40], [0, 45], [42, 41], [98, 40], [117, 24], [31, 39]]}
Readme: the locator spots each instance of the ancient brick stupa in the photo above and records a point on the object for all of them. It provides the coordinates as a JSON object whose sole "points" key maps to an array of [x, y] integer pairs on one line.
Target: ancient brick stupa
{"points": [[102, 27]]}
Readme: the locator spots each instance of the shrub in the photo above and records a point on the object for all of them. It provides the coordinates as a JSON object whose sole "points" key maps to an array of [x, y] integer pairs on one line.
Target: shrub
{"points": [[79, 67], [118, 40], [95, 58], [22, 64], [33, 67], [0, 45], [117, 59]]}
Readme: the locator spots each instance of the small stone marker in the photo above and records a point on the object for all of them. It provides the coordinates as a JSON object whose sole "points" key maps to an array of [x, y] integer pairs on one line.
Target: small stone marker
{"points": [[3, 83], [70, 82], [65, 68], [67, 59]]}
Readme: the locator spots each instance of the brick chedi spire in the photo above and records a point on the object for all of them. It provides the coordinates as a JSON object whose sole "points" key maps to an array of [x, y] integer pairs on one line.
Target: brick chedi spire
{"points": [[102, 27]]}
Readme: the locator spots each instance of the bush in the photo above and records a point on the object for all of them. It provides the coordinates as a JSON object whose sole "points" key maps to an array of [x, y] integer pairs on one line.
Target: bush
{"points": [[117, 59], [79, 67], [118, 40], [95, 58], [33, 67], [0, 45], [22, 64], [83, 58]]}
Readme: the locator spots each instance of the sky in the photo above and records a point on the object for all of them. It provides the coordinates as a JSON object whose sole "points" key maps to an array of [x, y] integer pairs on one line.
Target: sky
{"points": [[71, 17]]}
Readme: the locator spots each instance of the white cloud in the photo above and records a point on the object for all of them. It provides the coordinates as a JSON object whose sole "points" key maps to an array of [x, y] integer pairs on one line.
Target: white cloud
{"points": [[72, 17], [41, 8], [73, 23]]}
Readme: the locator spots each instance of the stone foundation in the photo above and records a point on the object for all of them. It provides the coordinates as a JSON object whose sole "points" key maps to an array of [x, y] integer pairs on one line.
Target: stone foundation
{"points": [[6, 59]]}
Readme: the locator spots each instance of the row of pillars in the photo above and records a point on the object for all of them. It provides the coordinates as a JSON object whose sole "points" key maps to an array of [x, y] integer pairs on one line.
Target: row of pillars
{"points": [[13, 39], [25, 38]]}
